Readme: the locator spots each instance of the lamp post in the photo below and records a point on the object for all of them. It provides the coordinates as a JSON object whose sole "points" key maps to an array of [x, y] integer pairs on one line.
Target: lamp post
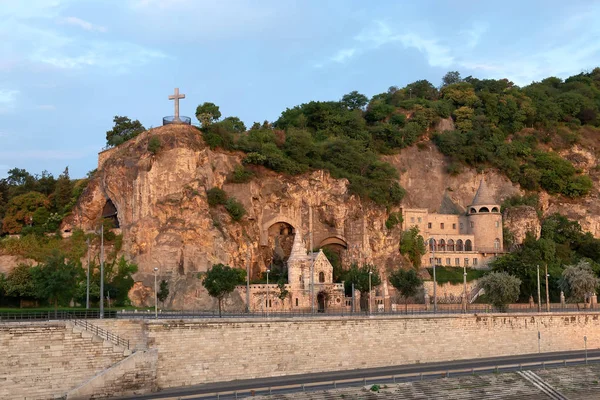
{"points": [[370, 274], [538, 288], [155, 294], [465, 286], [87, 289], [431, 245], [102, 270], [267, 305], [547, 291]]}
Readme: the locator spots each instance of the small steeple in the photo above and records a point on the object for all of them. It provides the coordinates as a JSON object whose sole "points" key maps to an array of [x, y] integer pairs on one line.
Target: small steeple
{"points": [[483, 196], [298, 247]]}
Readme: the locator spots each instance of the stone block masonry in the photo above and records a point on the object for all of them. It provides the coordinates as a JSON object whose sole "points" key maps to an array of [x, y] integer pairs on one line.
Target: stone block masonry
{"points": [[196, 352], [47, 359]]}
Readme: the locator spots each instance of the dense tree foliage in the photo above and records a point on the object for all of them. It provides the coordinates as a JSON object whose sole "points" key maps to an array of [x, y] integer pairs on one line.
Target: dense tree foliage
{"points": [[562, 243], [497, 124], [579, 281], [407, 283], [36, 203], [123, 130], [412, 245], [364, 278], [220, 280], [501, 289]]}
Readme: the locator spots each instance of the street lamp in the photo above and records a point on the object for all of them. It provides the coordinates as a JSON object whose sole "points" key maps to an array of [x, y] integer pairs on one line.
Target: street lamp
{"points": [[267, 305], [155, 294], [547, 290], [102, 270], [87, 290], [370, 274], [465, 286]]}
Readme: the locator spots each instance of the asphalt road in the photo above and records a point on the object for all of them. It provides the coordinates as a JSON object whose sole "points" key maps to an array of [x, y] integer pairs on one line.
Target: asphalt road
{"points": [[322, 381]]}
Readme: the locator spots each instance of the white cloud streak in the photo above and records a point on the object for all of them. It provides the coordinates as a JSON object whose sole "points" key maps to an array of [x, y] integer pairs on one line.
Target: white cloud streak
{"points": [[88, 26], [8, 96]]}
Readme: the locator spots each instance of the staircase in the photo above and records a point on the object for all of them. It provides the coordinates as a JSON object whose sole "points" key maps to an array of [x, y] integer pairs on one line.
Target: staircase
{"points": [[475, 293]]}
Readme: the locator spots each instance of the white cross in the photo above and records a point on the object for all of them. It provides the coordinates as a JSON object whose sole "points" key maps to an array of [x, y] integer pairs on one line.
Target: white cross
{"points": [[176, 97]]}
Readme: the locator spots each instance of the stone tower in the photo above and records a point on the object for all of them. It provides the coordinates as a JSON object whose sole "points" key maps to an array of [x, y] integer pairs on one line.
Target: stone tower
{"points": [[299, 263], [485, 220]]}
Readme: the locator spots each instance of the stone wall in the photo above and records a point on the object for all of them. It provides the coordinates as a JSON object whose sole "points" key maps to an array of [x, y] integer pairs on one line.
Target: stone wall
{"points": [[129, 329], [196, 352], [45, 359], [132, 376]]}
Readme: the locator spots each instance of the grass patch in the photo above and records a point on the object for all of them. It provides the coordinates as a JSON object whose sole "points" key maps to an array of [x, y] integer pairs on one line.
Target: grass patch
{"points": [[454, 275]]}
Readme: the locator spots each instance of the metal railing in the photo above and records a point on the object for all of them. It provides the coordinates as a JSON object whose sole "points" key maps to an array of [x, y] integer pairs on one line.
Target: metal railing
{"points": [[100, 332], [53, 315], [385, 379]]}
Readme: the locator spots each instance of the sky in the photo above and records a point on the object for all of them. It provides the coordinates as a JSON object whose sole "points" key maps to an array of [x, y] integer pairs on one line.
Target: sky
{"points": [[67, 67]]}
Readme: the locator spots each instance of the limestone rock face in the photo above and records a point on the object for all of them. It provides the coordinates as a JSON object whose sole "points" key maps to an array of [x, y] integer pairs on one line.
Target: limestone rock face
{"points": [[166, 221], [520, 220]]}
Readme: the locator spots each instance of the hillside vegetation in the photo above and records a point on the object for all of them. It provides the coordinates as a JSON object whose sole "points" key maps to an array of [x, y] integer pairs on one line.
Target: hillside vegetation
{"points": [[497, 124]]}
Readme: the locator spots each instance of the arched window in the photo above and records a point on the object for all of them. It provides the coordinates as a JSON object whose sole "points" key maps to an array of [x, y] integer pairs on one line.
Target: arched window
{"points": [[473, 211], [321, 277], [450, 245], [468, 245], [459, 245], [296, 302], [442, 245], [496, 244], [495, 209], [484, 210], [432, 245]]}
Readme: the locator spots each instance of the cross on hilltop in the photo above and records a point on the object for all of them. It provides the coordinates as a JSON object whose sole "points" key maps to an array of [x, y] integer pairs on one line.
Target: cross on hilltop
{"points": [[176, 119]]}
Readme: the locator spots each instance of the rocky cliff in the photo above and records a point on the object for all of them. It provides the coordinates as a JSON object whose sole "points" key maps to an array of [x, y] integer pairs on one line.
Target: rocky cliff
{"points": [[166, 222]]}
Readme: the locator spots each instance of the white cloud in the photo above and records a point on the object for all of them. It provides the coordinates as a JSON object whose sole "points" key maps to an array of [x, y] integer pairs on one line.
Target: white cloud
{"points": [[343, 55], [88, 26], [436, 53], [8, 96]]}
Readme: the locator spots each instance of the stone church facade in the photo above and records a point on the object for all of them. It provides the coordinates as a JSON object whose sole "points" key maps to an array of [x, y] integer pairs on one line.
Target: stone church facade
{"points": [[327, 294], [471, 238]]}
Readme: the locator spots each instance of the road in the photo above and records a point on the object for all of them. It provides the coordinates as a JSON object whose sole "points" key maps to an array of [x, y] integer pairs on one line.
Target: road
{"points": [[325, 380]]}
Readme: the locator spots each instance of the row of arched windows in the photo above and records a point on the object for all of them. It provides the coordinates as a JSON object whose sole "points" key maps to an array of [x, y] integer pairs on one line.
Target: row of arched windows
{"points": [[450, 245], [484, 210]]}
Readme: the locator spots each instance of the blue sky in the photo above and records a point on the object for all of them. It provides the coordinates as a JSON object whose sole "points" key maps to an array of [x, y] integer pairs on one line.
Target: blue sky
{"points": [[67, 67]]}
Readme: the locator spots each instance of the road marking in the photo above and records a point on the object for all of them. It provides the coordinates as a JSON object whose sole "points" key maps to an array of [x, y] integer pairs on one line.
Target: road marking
{"points": [[542, 385]]}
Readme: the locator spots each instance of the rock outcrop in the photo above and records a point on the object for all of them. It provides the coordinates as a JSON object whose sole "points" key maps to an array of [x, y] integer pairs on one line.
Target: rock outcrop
{"points": [[166, 222]]}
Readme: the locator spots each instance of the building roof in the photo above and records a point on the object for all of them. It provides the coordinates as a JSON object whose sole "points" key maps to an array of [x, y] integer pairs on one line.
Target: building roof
{"points": [[483, 196]]}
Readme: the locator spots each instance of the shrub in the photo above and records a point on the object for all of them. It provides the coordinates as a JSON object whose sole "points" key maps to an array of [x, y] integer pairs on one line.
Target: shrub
{"points": [[235, 209], [154, 144], [393, 220], [240, 175], [216, 196]]}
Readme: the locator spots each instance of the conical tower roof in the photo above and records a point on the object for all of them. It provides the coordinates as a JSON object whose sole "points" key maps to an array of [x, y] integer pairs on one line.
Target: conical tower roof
{"points": [[483, 196], [298, 247]]}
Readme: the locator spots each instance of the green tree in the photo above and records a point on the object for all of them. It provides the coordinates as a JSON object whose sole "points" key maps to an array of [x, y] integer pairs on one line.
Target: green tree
{"points": [[123, 130], [235, 209], [413, 246], [579, 281], [407, 283], [63, 192], [163, 293], [20, 211], [451, 78], [220, 280], [283, 293], [359, 276], [500, 288], [56, 279], [354, 100], [216, 196], [207, 113], [19, 282], [119, 279]]}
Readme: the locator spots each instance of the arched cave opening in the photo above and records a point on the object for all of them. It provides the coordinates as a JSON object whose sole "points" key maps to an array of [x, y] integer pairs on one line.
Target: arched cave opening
{"points": [[335, 251], [278, 249], [110, 213]]}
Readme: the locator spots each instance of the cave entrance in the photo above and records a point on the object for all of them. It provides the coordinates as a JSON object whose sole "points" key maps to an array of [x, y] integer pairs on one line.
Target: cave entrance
{"points": [[321, 301], [335, 250], [279, 247], [110, 213]]}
